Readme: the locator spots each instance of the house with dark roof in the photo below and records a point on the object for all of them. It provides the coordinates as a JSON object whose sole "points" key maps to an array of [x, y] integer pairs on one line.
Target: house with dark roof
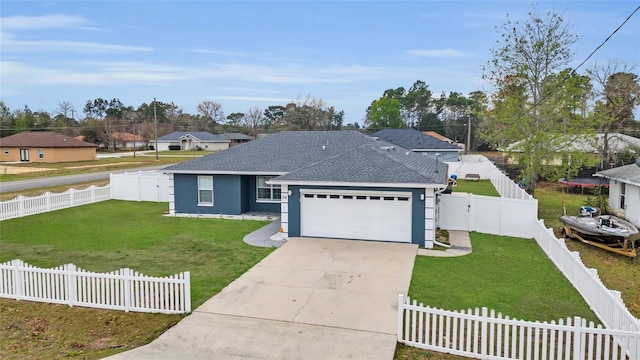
{"points": [[420, 143], [340, 184], [197, 140], [624, 191], [45, 147], [237, 138]]}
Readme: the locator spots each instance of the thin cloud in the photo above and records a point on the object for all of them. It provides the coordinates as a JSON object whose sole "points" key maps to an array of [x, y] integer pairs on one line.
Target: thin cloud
{"points": [[9, 44], [51, 21], [438, 53]]}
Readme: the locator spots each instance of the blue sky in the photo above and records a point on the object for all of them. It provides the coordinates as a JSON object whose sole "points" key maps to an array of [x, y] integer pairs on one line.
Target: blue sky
{"points": [[246, 54]]}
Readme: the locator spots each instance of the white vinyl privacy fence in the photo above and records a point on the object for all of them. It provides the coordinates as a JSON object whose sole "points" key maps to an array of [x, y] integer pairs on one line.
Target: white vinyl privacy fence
{"points": [[25, 205], [483, 334], [122, 289], [140, 186]]}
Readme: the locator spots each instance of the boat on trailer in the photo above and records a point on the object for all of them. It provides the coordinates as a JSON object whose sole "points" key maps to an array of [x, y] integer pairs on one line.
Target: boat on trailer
{"points": [[607, 229]]}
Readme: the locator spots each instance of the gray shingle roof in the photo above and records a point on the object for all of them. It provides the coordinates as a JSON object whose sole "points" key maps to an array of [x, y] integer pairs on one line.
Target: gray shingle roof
{"points": [[200, 135], [342, 156], [628, 173], [368, 164], [413, 139], [236, 136]]}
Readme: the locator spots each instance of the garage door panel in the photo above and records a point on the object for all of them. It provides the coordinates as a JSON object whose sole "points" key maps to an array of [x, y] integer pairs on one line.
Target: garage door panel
{"points": [[385, 217]]}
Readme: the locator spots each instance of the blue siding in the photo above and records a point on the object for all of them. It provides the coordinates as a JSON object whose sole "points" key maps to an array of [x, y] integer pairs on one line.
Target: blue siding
{"points": [[417, 211], [232, 195], [227, 195]]}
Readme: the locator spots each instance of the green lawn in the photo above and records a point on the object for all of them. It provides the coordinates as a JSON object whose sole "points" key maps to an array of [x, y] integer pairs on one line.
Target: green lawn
{"points": [[482, 187], [509, 275]]}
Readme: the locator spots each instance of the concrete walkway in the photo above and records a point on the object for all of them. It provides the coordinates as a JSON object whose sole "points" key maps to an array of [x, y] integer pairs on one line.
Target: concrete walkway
{"points": [[267, 236], [310, 299], [460, 245]]}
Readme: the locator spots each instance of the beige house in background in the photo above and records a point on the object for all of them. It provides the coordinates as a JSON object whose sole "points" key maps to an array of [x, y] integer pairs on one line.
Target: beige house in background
{"points": [[45, 147]]}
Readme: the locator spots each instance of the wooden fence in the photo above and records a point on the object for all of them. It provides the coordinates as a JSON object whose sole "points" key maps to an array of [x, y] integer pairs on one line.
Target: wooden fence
{"points": [[483, 334], [24, 205], [122, 289]]}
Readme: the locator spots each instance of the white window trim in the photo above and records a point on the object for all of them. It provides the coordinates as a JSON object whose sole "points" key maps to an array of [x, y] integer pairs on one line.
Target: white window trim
{"points": [[200, 203], [40, 153], [6, 151], [271, 186]]}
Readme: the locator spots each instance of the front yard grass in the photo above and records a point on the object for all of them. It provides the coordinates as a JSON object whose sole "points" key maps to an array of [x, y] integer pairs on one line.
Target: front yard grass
{"points": [[482, 187], [509, 275], [107, 236]]}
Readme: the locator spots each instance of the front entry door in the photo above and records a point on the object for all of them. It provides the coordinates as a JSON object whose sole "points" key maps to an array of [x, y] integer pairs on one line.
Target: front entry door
{"points": [[24, 154]]}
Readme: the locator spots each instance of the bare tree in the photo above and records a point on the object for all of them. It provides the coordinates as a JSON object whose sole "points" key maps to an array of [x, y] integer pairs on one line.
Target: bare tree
{"points": [[212, 112], [618, 95], [253, 119]]}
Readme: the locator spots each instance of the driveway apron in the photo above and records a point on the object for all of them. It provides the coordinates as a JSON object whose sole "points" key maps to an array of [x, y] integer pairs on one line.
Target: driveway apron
{"points": [[309, 299]]}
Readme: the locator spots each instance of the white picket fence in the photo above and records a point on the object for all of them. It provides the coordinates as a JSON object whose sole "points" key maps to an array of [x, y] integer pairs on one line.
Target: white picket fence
{"points": [[121, 289], [607, 304], [24, 205], [483, 334]]}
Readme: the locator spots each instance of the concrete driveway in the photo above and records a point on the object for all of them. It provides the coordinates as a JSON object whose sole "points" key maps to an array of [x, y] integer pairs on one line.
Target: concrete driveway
{"points": [[310, 299]]}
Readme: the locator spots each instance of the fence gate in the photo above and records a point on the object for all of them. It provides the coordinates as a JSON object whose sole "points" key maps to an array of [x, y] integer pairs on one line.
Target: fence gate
{"points": [[454, 211]]}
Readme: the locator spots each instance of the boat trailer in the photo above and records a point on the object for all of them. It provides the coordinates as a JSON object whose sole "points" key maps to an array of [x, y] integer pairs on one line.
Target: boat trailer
{"points": [[628, 248]]}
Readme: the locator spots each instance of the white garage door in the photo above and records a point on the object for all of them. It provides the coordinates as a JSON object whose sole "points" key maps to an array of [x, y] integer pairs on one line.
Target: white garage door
{"points": [[363, 215]]}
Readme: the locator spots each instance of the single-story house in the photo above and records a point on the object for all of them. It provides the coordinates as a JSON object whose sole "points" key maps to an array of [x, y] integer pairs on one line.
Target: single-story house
{"points": [[420, 143], [436, 135], [198, 140], [588, 144], [335, 184], [624, 191], [237, 138], [128, 140], [45, 147]]}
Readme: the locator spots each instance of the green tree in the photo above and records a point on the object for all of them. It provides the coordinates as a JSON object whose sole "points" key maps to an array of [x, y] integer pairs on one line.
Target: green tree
{"points": [[272, 115], [384, 113], [6, 120], [526, 57]]}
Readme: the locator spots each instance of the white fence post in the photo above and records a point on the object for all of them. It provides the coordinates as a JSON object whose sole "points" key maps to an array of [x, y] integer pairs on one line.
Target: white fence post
{"points": [[71, 280], [400, 311], [127, 284], [17, 278], [187, 291]]}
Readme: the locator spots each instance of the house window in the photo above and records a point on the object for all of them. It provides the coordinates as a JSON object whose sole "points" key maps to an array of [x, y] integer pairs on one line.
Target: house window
{"points": [[623, 190], [40, 153], [205, 190], [6, 151], [267, 192]]}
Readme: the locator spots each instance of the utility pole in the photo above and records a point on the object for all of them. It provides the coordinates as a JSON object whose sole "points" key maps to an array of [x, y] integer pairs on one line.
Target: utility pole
{"points": [[155, 121], [468, 144]]}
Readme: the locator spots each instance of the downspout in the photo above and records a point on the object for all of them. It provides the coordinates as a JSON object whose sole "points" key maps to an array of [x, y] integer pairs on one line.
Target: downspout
{"points": [[435, 241]]}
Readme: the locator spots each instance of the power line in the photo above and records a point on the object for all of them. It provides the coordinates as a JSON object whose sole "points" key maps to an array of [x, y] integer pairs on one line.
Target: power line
{"points": [[566, 77]]}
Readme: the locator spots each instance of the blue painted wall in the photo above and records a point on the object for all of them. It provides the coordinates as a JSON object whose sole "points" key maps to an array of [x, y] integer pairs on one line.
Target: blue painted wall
{"points": [[417, 211], [232, 195]]}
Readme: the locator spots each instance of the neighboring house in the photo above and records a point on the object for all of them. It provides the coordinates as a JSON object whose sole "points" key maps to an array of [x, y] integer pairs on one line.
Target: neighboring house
{"points": [[420, 143], [128, 140], [198, 140], [624, 191], [335, 184], [237, 138], [434, 134], [591, 144], [46, 147]]}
